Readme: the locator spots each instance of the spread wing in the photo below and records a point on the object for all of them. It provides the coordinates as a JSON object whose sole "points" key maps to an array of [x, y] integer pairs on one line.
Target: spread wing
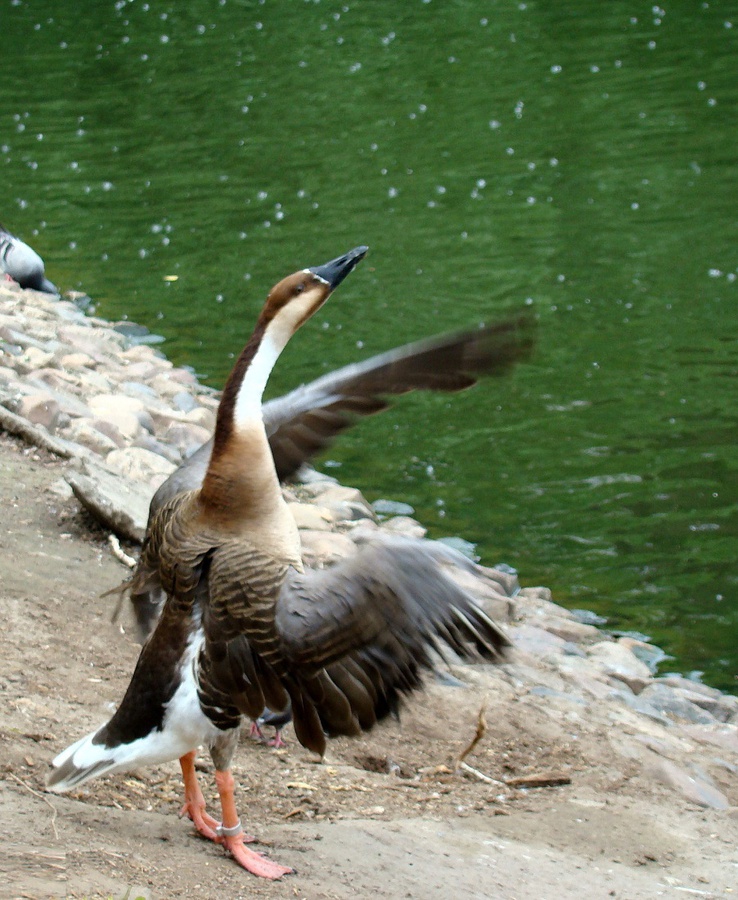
{"points": [[307, 420], [343, 644]]}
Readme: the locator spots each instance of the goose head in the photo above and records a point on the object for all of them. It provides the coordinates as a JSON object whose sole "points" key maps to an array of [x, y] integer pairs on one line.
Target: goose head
{"points": [[290, 303], [294, 299]]}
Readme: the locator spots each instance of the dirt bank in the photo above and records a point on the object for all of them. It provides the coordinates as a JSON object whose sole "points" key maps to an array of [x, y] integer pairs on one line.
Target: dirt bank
{"points": [[384, 816]]}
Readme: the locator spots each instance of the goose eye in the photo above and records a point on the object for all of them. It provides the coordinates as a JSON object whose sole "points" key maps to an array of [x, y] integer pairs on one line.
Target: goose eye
{"points": [[299, 288]]}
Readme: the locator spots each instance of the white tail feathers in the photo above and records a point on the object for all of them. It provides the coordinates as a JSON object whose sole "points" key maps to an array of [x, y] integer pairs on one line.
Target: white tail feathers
{"points": [[85, 760]]}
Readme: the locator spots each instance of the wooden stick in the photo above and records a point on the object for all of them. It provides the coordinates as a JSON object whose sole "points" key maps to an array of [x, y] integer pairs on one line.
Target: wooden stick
{"points": [[40, 797], [465, 767], [539, 779], [119, 553], [478, 735]]}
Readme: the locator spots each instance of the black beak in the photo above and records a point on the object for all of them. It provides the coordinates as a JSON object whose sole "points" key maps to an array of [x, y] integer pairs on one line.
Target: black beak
{"points": [[336, 270]]}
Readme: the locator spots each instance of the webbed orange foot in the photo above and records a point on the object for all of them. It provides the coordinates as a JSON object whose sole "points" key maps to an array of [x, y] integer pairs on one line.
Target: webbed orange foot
{"points": [[254, 862]]}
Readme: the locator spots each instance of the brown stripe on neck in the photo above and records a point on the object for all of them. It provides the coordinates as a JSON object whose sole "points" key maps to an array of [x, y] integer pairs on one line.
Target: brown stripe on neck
{"points": [[224, 420]]}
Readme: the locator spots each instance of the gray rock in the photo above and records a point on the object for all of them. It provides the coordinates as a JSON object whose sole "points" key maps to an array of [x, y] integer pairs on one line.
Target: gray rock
{"points": [[537, 641], [689, 785], [184, 401], [466, 548], [34, 358], [325, 548], [312, 479], [619, 662], [109, 429], [141, 466], [723, 708], [76, 360], [503, 578], [723, 736], [312, 518], [587, 617], [688, 684], [670, 702], [149, 442], [569, 629], [40, 409], [187, 438], [404, 525], [649, 654], [138, 390], [118, 503], [392, 508], [537, 593], [541, 690], [84, 432], [62, 387], [202, 417], [123, 412]]}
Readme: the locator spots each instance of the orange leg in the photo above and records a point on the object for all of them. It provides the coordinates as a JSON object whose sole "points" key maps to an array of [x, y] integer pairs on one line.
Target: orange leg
{"points": [[194, 805], [231, 835]]}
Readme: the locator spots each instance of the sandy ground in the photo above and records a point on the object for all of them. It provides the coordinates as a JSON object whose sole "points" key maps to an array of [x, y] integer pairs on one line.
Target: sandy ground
{"points": [[384, 816]]}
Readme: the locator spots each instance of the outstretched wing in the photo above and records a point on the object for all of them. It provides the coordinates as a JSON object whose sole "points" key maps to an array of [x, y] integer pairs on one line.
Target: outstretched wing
{"points": [[307, 420], [346, 642]]}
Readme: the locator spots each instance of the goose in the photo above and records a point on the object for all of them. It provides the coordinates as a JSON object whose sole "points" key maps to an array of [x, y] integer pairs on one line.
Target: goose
{"points": [[22, 264], [245, 626], [306, 420]]}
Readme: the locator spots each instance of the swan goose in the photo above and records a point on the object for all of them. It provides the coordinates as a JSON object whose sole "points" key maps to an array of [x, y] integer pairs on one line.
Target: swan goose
{"points": [[244, 626]]}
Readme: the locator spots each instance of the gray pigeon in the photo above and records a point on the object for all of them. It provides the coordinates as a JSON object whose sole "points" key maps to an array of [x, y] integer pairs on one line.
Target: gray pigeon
{"points": [[21, 263]]}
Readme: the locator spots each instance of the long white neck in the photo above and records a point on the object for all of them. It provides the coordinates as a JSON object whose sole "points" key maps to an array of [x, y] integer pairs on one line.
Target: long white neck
{"points": [[247, 410]]}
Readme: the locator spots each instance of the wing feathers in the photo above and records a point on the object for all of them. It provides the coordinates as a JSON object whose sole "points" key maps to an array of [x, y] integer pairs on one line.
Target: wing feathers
{"points": [[357, 637]]}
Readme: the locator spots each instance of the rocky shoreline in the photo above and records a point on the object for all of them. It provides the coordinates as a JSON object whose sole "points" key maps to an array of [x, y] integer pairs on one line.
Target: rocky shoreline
{"points": [[124, 417]]}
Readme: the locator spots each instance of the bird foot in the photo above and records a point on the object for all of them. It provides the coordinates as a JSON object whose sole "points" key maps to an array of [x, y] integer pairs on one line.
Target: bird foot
{"points": [[205, 824], [254, 862], [256, 732], [277, 741]]}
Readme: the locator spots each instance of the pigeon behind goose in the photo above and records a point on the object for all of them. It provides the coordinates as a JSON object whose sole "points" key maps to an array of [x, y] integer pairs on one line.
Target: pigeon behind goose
{"points": [[22, 264]]}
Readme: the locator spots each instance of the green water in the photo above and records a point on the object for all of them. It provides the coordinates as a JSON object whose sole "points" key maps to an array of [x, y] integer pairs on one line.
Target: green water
{"points": [[579, 158]]}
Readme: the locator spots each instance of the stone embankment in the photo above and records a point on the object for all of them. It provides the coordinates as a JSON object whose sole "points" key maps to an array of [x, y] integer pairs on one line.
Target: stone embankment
{"points": [[125, 417]]}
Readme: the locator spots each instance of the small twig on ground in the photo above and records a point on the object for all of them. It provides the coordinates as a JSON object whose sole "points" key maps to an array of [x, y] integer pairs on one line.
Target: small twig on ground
{"points": [[119, 553], [539, 779], [465, 767], [478, 735], [40, 797]]}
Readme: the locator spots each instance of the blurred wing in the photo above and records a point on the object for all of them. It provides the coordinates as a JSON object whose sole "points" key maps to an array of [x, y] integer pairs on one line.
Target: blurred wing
{"points": [[358, 636], [307, 420], [394, 591]]}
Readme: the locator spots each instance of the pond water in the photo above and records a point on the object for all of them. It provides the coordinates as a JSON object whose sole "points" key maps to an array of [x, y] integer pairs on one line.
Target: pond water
{"points": [[578, 159]]}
